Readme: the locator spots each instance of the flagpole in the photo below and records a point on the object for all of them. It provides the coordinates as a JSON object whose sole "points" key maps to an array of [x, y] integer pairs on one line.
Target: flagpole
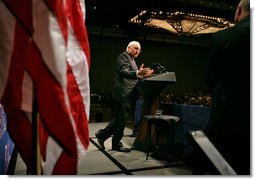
{"points": [[36, 163]]}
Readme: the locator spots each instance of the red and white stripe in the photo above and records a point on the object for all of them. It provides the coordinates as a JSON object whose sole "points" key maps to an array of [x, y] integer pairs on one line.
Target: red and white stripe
{"points": [[78, 58], [58, 63]]}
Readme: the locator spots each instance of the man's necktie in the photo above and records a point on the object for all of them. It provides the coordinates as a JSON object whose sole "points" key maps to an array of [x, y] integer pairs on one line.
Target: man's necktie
{"points": [[134, 64]]}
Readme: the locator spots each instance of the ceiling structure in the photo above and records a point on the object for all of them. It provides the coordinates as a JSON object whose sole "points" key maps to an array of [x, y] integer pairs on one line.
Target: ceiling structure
{"points": [[181, 23], [196, 17]]}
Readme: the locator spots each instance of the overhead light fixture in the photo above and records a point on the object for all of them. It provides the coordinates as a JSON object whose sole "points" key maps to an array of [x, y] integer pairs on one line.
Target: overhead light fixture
{"points": [[181, 23]]}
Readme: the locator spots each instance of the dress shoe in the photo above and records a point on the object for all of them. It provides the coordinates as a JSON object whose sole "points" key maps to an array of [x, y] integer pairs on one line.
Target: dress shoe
{"points": [[121, 148], [100, 140]]}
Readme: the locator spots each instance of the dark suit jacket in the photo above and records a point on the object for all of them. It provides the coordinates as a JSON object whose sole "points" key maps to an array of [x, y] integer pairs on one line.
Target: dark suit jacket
{"points": [[125, 81], [229, 60], [228, 76]]}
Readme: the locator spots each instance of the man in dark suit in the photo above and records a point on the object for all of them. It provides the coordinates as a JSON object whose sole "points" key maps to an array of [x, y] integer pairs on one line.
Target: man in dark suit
{"points": [[124, 93], [229, 83]]}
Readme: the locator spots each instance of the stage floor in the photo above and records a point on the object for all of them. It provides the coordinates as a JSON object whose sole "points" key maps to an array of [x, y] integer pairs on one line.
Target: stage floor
{"points": [[109, 162]]}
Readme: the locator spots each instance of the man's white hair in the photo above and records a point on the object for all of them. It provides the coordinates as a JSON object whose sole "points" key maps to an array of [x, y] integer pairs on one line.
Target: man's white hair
{"points": [[133, 43], [245, 4]]}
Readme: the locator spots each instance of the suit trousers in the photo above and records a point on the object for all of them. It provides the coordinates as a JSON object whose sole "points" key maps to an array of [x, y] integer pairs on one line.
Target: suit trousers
{"points": [[115, 128]]}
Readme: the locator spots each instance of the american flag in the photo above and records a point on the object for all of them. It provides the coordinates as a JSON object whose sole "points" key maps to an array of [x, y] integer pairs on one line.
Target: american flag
{"points": [[45, 57]]}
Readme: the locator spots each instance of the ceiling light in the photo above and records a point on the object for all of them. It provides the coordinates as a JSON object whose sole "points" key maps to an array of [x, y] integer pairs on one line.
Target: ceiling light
{"points": [[181, 23]]}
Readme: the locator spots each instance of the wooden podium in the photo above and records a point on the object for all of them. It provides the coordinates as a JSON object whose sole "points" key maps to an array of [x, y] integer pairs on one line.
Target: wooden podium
{"points": [[151, 88]]}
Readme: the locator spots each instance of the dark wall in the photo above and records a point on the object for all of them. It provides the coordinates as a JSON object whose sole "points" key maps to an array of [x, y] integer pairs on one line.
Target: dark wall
{"points": [[187, 61]]}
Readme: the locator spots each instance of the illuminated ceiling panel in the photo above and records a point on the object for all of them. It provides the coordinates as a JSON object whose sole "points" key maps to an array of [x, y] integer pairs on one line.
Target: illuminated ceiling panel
{"points": [[158, 23], [181, 23]]}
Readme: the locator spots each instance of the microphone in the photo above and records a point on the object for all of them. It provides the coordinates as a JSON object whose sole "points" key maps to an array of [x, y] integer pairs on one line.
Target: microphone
{"points": [[161, 68], [157, 67]]}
